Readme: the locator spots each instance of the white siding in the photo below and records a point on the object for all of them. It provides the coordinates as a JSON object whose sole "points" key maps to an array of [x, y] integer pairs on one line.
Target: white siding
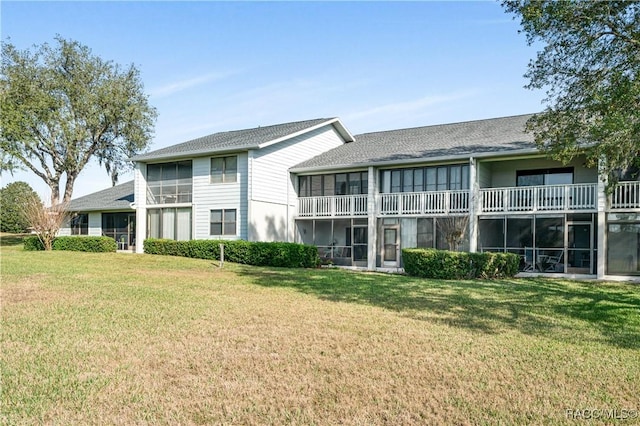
{"points": [[273, 194], [271, 182], [208, 196]]}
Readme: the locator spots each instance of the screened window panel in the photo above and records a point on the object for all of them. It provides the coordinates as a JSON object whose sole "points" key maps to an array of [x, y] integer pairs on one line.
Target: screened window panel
{"points": [[153, 218], [386, 181], [316, 186], [465, 177], [431, 179], [442, 178], [364, 182], [425, 233], [354, 183], [491, 233], [341, 184], [154, 173], [169, 224], [455, 178], [183, 224], [418, 180], [407, 181], [396, 181], [303, 186], [329, 184]]}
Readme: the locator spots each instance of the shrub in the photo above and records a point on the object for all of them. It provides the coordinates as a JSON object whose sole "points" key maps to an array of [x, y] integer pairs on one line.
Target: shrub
{"points": [[32, 243], [448, 265], [88, 244], [288, 255]]}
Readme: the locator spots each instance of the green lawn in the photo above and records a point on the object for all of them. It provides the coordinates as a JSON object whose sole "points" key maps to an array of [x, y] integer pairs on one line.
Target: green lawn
{"points": [[139, 339]]}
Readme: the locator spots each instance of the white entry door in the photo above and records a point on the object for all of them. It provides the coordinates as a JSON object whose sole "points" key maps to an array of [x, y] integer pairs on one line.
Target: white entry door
{"points": [[391, 246]]}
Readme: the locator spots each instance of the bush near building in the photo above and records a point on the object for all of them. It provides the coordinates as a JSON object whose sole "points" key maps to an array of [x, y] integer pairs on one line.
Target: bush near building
{"points": [[450, 265]]}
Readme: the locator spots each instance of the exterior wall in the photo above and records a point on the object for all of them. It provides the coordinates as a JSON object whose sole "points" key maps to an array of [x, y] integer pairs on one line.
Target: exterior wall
{"points": [[272, 194], [269, 222], [208, 196], [503, 173]]}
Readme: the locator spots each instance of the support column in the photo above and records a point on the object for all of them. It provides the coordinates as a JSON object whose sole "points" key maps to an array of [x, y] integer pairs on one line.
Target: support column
{"points": [[372, 227], [474, 197], [140, 204], [602, 225]]}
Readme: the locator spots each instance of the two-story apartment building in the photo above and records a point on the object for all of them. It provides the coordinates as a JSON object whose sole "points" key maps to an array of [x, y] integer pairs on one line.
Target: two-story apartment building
{"points": [[362, 199]]}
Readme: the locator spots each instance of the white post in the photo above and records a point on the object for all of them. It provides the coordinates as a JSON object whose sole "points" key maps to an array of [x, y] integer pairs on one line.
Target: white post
{"points": [[140, 200], [474, 199], [602, 225], [221, 255], [371, 219]]}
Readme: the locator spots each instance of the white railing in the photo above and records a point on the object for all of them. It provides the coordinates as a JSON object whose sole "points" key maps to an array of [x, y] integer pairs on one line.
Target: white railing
{"points": [[333, 206], [626, 195], [421, 203], [539, 198]]}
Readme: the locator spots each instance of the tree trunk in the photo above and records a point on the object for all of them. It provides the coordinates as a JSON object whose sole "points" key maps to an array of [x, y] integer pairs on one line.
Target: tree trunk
{"points": [[68, 187]]}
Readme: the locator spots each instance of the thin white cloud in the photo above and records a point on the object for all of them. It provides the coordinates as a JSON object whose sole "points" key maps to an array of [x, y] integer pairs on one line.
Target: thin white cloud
{"points": [[179, 86], [410, 107]]}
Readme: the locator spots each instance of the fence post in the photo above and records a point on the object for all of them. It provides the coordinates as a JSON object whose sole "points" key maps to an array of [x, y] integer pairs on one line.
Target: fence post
{"points": [[221, 255]]}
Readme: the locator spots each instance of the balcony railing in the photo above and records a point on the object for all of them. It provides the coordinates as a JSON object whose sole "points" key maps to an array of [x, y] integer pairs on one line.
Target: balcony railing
{"points": [[539, 198], [333, 206], [626, 195], [421, 203]]}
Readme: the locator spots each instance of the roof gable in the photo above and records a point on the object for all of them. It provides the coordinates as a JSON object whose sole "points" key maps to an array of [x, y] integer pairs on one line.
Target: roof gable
{"points": [[239, 140]]}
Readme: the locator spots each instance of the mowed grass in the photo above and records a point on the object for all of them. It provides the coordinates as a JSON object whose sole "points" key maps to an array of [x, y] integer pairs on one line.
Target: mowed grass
{"points": [[139, 339]]}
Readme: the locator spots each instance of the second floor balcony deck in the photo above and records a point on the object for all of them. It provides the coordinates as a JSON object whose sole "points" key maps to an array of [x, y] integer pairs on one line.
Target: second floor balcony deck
{"points": [[581, 197], [531, 199]]}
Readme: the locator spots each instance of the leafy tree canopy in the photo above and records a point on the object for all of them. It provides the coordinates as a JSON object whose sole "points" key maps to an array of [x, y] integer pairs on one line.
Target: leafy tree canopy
{"points": [[61, 106], [13, 200], [589, 66]]}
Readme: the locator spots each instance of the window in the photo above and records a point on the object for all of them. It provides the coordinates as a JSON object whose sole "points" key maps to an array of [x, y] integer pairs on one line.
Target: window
{"points": [[562, 176], [224, 169], [171, 223], [441, 178], [169, 183], [425, 233], [223, 222], [333, 184], [80, 224]]}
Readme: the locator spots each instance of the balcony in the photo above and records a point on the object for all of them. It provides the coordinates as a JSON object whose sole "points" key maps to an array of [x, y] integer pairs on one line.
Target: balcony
{"points": [[423, 203], [576, 197], [333, 206], [626, 195]]}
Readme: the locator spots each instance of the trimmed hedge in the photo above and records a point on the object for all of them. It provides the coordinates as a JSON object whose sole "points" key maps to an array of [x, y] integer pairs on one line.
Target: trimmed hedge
{"points": [[32, 243], [287, 255], [75, 243], [449, 265]]}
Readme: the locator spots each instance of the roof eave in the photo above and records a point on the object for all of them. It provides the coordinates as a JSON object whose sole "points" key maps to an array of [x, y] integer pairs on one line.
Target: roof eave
{"points": [[438, 159], [191, 154]]}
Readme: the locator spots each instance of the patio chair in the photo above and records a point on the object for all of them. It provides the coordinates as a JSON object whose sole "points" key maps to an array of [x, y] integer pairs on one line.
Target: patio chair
{"points": [[529, 265], [554, 263]]}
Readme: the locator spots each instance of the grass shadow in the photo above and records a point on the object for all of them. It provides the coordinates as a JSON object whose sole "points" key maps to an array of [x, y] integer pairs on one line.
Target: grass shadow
{"points": [[566, 310]]}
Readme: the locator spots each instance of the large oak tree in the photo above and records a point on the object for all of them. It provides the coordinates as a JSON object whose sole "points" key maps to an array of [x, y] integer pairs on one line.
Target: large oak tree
{"points": [[589, 66], [61, 107]]}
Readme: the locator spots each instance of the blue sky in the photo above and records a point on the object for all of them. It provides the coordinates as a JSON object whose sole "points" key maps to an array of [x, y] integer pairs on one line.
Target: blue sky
{"points": [[218, 66]]}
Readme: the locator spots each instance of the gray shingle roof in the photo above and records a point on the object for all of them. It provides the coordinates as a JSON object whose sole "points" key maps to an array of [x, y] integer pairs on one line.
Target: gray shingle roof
{"points": [[444, 140], [233, 140], [118, 197]]}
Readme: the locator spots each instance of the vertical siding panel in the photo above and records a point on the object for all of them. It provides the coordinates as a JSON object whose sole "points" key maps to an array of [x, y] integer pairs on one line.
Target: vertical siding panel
{"points": [[207, 196]]}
